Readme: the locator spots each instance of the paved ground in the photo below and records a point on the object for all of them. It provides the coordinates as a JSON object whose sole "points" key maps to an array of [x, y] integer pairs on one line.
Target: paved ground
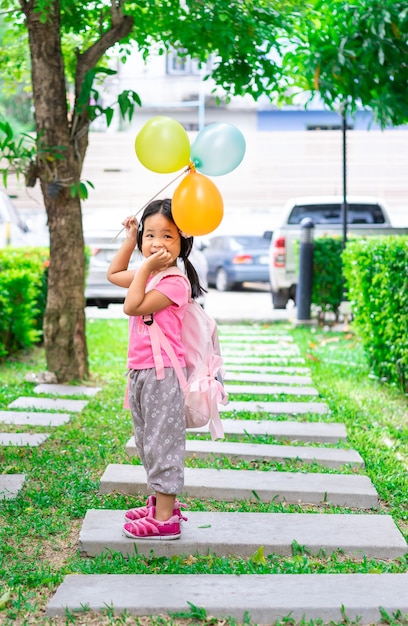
{"points": [[254, 303]]}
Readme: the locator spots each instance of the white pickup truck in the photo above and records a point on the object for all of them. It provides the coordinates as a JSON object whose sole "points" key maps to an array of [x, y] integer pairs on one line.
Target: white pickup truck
{"points": [[366, 216]]}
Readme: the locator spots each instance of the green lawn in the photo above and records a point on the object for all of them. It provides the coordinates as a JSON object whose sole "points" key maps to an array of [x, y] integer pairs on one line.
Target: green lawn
{"points": [[39, 530]]}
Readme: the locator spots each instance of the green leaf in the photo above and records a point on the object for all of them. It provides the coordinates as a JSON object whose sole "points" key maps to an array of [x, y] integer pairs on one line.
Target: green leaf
{"points": [[109, 112], [82, 190], [5, 599], [258, 557]]}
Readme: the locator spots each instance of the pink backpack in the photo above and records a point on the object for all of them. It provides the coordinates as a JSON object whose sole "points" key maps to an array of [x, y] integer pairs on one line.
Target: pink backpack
{"points": [[203, 388]]}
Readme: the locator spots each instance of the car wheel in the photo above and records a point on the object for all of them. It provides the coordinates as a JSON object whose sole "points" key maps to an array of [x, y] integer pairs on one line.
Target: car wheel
{"points": [[102, 304], [221, 280], [279, 299]]}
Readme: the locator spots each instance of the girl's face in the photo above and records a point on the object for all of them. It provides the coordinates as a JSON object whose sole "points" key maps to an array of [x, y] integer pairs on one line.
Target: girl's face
{"points": [[160, 233]]}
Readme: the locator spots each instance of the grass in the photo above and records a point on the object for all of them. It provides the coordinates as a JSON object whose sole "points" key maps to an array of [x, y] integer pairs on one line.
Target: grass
{"points": [[39, 530]]}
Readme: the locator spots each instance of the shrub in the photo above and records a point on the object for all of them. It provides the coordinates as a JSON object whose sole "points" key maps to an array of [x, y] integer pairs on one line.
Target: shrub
{"points": [[376, 271], [328, 282], [23, 292]]}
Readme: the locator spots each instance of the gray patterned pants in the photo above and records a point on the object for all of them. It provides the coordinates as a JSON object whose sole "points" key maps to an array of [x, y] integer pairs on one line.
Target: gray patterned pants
{"points": [[157, 408]]}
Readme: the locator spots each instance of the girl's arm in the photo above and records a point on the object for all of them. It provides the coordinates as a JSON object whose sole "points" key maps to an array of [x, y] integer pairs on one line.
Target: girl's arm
{"points": [[118, 272], [137, 301]]}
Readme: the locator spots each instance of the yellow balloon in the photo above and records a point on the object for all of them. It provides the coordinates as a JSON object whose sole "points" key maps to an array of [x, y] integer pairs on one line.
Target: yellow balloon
{"points": [[197, 205], [162, 145]]}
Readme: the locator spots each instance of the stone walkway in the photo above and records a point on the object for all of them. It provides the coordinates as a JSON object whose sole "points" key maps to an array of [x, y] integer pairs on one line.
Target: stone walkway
{"points": [[265, 598], [361, 534], [323, 456], [11, 484]]}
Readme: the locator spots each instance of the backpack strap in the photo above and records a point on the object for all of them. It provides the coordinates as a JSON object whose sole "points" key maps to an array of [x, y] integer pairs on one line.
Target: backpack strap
{"points": [[173, 270], [157, 337], [216, 388], [155, 342], [158, 340]]}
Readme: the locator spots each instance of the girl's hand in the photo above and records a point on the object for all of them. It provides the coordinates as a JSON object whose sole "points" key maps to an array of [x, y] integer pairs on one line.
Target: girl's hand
{"points": [[118, 272], [159, 261], [131, 225]]}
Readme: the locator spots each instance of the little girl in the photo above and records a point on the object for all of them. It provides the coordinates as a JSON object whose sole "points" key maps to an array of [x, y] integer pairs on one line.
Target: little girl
{"points": [[157, 406]]}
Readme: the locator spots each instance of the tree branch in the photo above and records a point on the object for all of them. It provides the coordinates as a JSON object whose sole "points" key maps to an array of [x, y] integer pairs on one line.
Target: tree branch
{"points": [[87, 61], [26, 5], [116, 11], [90, 57]]}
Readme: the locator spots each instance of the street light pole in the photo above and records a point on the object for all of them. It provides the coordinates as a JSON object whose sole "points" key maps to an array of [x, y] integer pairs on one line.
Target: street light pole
{"points": [[344, 206]]}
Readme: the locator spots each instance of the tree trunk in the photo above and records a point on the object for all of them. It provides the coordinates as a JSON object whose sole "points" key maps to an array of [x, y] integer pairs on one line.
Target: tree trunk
{"points": [[61, 151], [58, 162]]}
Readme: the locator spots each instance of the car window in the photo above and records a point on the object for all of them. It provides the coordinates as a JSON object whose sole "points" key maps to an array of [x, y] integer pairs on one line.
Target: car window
{"points": [[213, 244], [9, 213], [246, 241], [331, 214], [238, 243]]}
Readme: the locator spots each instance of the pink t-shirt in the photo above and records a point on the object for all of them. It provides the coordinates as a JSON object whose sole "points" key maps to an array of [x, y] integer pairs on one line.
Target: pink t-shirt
{"points": [[170, 319]]}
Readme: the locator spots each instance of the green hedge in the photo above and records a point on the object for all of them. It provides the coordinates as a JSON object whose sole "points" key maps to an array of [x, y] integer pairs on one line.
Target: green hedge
{"points": [[23, 295], [376, 271], [328, 281]]}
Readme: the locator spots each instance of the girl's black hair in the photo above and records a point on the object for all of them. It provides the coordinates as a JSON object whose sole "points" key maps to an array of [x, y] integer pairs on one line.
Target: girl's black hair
{"points": [[164, 207]]}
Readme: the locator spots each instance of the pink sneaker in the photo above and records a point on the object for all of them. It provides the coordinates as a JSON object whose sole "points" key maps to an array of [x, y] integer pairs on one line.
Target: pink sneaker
{"points": [[141, 511], [133, 515], [150, 528]]}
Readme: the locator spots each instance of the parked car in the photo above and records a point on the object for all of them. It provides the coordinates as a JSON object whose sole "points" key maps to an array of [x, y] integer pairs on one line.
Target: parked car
{"points": [[99, 291], [366, 216], [14, 229], [236, 259]]}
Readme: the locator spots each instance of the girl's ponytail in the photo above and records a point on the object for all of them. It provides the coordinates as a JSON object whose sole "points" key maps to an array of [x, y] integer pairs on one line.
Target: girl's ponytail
{"points": [[196, 289]]}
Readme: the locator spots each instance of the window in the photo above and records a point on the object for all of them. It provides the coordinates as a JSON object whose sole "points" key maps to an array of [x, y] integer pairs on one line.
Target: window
{"points": [[178, 62], [331, 214]]}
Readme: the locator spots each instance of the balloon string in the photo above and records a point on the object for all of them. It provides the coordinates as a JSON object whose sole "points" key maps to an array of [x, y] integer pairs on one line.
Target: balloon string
{"points": [[189, 168]]}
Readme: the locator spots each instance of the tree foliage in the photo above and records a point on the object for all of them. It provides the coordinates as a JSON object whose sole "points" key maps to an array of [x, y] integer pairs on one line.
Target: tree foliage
{"points": [[257, 47], [68, 46], [353, 53]]}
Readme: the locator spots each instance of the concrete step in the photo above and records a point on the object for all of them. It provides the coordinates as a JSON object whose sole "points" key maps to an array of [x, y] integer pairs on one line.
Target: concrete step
{"points": [[271, 390], [204, 449], [345, 490], [227, 534], [323, 432], [243, 367], [21, 418], [49, 404], [262, 342], [261, 598], [238, 330], [66, 390], [261, 350], [10, 485], [257, 377], [260, 360], [254, 337], [22, 439], [274, 408]]}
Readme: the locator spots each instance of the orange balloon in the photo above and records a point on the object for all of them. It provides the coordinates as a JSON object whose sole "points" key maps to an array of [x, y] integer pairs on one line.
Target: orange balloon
{"points": [[197, 205]]}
